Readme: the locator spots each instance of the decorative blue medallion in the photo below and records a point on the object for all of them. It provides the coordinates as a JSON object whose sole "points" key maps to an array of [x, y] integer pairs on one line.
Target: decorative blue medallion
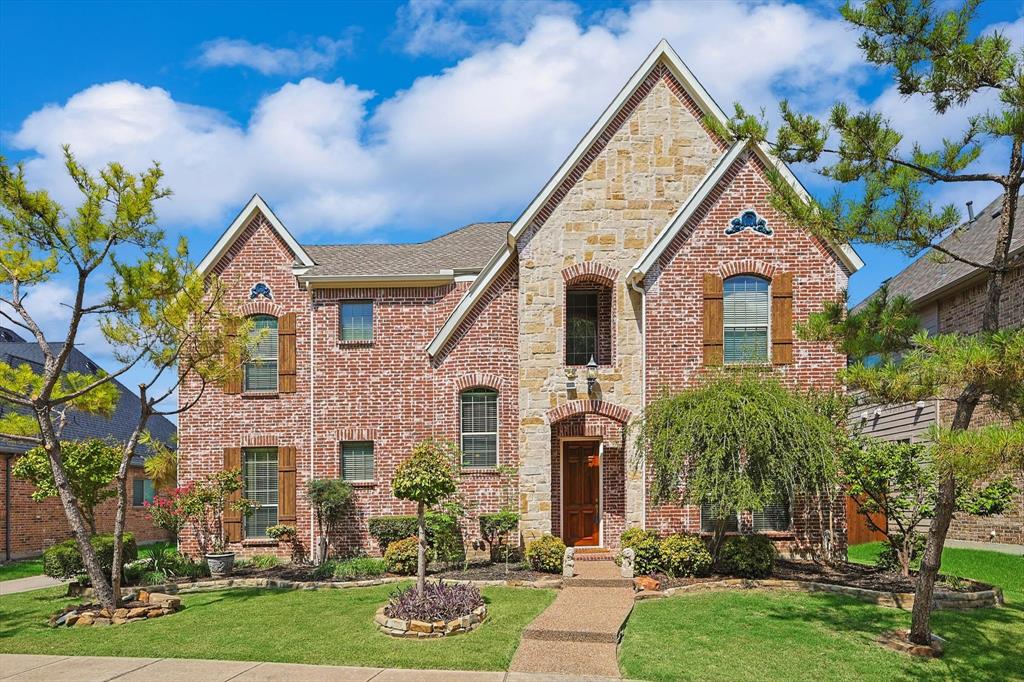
{"points": [[749, 220], [260, 289]]}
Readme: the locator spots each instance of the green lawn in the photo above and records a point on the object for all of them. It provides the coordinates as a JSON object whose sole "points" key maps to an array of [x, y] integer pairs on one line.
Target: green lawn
{"points": [[324, 626], [792, 636], [21, 569]]}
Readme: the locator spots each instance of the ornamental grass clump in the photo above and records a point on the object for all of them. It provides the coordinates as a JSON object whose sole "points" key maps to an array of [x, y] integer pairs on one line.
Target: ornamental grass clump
{"points": [[437, 601]]}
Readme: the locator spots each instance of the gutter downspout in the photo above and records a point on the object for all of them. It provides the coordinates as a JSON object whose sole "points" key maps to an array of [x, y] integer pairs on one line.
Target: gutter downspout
{"points": [[312, 396], [7, 507], [643, 390]]}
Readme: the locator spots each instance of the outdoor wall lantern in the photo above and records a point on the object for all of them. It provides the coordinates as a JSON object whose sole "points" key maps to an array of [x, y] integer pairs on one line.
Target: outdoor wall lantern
{"points": [[591, 374]]}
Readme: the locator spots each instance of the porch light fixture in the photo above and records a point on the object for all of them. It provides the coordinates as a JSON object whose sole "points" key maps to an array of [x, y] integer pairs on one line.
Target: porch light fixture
{"points": [[591, 374]]}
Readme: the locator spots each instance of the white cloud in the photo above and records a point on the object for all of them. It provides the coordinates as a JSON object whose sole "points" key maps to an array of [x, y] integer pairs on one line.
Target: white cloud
{"points": [[317, 55]]}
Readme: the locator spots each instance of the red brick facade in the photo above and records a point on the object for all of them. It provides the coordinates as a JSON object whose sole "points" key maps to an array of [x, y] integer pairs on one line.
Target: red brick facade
{"points": [[38, 525]]}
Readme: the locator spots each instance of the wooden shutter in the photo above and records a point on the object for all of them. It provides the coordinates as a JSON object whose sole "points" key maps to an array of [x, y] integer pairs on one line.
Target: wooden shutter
{"points": [[713, 319], [782, 319], [232, 517], [233, 378], [286, 485], [286, 353]]}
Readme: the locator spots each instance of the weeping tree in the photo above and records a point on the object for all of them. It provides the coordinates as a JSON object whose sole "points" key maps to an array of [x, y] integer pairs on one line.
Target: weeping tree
{"points": [[740, 442], [156, 314], [940, 57]]}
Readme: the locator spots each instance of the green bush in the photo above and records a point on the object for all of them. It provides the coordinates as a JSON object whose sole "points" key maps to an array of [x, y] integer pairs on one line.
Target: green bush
{"points": [[357, 567], [63, 561], [684, 556], [747, 556], [645, 544], [442, 531], [401, 556], [258, 561], [889, 558], [193, 570], [498, 529], [546, 554]]}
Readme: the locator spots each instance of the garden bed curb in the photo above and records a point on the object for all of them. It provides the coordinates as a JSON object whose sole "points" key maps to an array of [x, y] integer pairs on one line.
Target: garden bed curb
{"points": [[274, 583], [398, 627], [953, 601]]}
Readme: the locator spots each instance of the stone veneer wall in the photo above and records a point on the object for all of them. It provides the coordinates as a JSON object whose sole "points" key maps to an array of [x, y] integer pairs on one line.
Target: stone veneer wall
{"points": [[647, 163]]}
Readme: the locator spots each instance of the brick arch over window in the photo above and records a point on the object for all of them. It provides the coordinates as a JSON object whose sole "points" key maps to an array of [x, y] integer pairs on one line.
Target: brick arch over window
{"points": [[602, 407], [261, 306], [479, 380], [590, 272], [748, 266]]}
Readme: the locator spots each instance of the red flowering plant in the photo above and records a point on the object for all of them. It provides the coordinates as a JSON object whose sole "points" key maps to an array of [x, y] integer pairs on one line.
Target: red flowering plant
{"points": [[166, 509]]}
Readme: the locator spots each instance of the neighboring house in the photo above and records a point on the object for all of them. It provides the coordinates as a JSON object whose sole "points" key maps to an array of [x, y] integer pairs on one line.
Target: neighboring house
{"points": [[948, 296], [653, 250], [29, 527]]}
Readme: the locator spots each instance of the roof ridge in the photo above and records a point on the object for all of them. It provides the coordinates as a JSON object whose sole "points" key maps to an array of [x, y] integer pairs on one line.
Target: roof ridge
{"points": [[419, 243]]}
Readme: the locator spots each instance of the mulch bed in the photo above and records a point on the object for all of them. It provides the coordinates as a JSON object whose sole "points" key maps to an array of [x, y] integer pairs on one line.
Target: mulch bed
{"points": [[851, 575]]}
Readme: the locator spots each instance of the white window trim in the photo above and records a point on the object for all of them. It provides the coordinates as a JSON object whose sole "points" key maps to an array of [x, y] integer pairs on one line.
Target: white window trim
{"points": [[373, 461], [341, 320], [767, 325], [496, 432], [256, 361], [245, 491]]}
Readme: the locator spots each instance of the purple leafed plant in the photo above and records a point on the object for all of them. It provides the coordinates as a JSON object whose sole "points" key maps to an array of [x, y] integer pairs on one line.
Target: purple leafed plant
{"points": [[440, 601]]}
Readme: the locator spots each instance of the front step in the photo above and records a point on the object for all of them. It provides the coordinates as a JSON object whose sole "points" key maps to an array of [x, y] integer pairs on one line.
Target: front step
{"points": [[577, 581]]}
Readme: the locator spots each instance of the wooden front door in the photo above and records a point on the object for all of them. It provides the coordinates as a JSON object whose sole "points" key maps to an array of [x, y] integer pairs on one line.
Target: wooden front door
{"points": [[581, 488]]}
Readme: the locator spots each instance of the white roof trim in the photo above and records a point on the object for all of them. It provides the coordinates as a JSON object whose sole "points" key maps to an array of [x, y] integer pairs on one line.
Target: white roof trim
{"points": [[231, 234]]}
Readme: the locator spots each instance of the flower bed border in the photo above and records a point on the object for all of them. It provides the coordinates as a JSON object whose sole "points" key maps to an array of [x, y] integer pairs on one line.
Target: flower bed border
{"points": [[419, 629], [953, 601]]}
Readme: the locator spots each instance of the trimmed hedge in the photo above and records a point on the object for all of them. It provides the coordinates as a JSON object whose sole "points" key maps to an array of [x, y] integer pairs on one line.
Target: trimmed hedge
{"points": [[685, 556], [443, 534], [546, 554], [747, 556], [63, 561], [402, 556], [648, 550]]}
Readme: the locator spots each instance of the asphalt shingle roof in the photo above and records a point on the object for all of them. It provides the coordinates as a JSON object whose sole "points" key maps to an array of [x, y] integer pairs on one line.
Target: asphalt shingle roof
{"points": [[15, 351], [925, 276], [465, 249]]}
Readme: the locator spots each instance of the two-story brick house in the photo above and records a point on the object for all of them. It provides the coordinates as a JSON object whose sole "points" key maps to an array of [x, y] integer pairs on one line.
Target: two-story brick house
{"points": [[653, 251]]}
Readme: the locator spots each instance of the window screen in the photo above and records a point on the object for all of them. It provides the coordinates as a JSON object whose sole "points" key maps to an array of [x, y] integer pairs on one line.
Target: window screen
{"points": [[746, 305], [709, 520], [581, 326], [772, 517], [261, 369], [357, 321], [479, 428], [142, 491], [357, 461], [259, 470]]}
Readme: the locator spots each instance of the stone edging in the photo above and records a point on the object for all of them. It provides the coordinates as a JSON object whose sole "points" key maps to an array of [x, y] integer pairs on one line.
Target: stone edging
{"points": [[274, 583], [956, 601], [398, 627]]}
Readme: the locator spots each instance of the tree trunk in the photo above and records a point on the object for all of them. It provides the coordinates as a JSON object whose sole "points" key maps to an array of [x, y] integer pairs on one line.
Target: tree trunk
{"points": [[116, 574], [719, 537], [421, 555]]}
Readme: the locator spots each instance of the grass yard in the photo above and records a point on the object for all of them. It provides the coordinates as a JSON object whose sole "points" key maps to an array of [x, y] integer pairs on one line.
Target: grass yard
{"points": [[25, 568], [767, 635], [324, 627]]}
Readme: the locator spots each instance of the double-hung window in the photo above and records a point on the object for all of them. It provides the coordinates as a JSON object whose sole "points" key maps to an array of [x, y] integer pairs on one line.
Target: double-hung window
{"points": [[479, 416], [142, 491], [772, 517], [357, 321], [261, 367], [259, 473], [709, 520], [357, 461], [581, 308], [746, 306]]}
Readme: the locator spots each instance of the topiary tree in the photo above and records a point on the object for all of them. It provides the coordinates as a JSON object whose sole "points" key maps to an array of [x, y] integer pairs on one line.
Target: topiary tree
{"points": [[331, 499], [738, 443], [91, 466], [427, 477]]}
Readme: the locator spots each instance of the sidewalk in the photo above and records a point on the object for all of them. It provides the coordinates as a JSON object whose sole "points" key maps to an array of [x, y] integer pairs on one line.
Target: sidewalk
{"points": [[30, 668], [34, 582]]}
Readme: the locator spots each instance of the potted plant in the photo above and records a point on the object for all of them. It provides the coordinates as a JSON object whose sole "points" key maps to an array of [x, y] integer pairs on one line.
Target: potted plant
{"points": [[204, 504]]}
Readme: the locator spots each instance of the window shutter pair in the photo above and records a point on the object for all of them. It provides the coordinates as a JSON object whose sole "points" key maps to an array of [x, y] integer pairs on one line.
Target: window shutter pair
{"points": [[285, 358], [782, 319], [285, 490]]}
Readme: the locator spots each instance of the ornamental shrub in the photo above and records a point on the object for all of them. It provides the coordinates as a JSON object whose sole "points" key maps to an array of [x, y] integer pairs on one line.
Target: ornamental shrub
{"points": [[889, 558], [438, 601], [351, 569], [747, 556], [282, 532], [546, 554], [401, 556], [63, 561], [388, 529], [645, 544], [684, 556], [497, 529]]}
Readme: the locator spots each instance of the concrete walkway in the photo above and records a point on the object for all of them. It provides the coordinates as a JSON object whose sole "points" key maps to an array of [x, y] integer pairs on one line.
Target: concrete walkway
{"points": [[35, 582], [1001, 547], [580, 631], [29, 668]]}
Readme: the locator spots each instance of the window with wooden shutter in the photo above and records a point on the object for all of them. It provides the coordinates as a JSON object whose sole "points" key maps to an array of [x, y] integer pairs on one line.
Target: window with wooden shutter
{"points": [[232, 517], [357, 461], [286, 360], [782, 319], [745, 320], [712, 319], [286, 485], [479, 416], [259, 472], [260, 375]]}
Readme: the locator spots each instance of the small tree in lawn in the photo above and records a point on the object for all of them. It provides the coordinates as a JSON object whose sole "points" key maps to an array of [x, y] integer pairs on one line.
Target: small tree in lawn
{"points": [[91, 466], [739, 443], [331, 499], [426, 478]]}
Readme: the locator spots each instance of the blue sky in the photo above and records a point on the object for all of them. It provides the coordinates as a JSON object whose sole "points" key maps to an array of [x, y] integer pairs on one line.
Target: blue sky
{"points": [[399, 121]]}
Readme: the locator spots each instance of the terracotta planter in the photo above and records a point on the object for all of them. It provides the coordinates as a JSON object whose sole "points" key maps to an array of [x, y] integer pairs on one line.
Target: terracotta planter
{"points": [[220, 563]]}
